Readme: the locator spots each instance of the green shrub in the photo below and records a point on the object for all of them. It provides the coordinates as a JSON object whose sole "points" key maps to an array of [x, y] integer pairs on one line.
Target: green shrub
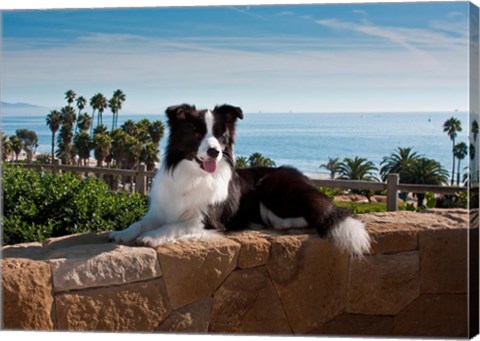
{"points": [[39, 205]]}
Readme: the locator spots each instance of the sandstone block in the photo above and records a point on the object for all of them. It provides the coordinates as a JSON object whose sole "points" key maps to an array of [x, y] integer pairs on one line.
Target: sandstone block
{"points": [[383, 284], [444, 266], [394, 241], [132, 307], [248, 303], [192, 318], [27, 295], [33, 251], [364, 325], [87, 266], [194, 269], [76, 239], [254, 251], [434, 316], [310, 275]]}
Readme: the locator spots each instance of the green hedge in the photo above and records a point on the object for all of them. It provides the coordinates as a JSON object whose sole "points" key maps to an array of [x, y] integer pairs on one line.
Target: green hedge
{"points": [[39, 205]]}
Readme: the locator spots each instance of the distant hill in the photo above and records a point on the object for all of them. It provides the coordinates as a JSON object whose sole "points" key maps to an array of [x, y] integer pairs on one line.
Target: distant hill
{"points": [[22, 109]]}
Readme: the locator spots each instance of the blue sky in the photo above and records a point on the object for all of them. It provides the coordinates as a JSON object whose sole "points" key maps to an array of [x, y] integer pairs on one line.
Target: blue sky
{"points": [[299, 58]]}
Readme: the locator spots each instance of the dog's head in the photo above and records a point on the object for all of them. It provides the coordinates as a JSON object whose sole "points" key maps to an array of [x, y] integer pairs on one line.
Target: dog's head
{"points": [[201, 136]]}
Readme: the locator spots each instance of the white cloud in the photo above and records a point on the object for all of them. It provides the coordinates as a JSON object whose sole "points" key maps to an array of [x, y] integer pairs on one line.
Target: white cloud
{"points": [[308, 73]]}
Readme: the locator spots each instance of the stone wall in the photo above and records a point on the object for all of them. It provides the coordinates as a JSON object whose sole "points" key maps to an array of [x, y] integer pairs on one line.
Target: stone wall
{"points": [[414, 282]]}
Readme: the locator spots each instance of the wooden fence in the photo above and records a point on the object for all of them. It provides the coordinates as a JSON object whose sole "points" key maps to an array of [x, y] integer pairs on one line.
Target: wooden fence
{"points": [[142, 179]]}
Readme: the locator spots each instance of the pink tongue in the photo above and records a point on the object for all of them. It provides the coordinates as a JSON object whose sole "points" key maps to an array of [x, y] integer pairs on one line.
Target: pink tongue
{"points": [[209, 166]]}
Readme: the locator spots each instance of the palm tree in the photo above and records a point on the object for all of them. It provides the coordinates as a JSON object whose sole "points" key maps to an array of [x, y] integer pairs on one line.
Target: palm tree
{"points": [[101, 106], [241, 162], [258, 160], [397, 162], [475, 129], [130, 128], [119, 141], [426, 172], [332, 165], [115, 104], [70, 97], [133, 148], [65, 138], [17, 146], [99, 103], [102, 143], [141, 133], [357, 169], [84, 122], [452, 126], [81, 103], [460, 151], [6, 146], [472, 151], [54, 120], [100, 129], [149, 155], [83, 144], [156, 130]]}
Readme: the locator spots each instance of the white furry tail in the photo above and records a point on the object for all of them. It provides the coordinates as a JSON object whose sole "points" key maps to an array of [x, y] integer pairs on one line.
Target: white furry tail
{"points": [[350, 234]]}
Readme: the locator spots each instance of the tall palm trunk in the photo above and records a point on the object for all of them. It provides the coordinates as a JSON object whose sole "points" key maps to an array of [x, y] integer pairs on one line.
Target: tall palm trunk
{"points": [[453, 162], [458, 173], [93, 120], [53, 146]]}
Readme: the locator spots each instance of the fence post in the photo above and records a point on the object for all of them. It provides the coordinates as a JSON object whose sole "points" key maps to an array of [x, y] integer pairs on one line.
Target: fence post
{"points": [[140, 183], [392, 192], [56, 163]]}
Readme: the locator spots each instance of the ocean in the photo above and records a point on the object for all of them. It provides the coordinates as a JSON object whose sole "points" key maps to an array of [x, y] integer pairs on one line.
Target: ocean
{"points": [[307, 140]]}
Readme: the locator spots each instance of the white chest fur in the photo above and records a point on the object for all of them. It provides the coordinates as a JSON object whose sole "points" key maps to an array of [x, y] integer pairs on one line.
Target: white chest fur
{"points": [[187, 192]]}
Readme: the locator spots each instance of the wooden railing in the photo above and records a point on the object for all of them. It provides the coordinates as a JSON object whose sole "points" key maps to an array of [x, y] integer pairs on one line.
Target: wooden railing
{"points": [[141, 175], [143, 180], [392, 186]]}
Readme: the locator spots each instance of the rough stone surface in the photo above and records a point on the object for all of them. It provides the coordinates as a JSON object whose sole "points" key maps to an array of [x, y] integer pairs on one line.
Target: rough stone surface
{"points": [[254, 251], [398, 231], [192, 318], [132, 307], [365, 325], [194, 269], [383, 284], [417, 271], [413, 221], [27, 295], [33, 251], [434, 316], [87, 266], [248, 303], [310, 275], [443, 265], [76, 239], [391, 241]]}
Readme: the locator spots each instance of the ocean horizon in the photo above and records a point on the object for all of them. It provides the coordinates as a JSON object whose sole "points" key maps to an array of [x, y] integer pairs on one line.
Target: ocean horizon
{"points": [[307, 140]]}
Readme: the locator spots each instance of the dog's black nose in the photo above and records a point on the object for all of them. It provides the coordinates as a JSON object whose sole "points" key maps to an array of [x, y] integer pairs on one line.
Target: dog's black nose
{"points": [[212, 152]]}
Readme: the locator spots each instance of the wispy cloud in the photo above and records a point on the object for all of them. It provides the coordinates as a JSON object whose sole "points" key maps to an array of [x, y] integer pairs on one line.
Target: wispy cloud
{"points": [[206, 69], [417, 40]]}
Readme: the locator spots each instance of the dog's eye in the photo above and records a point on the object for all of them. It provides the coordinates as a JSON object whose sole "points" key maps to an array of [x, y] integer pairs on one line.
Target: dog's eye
{"points": [[197, 131]]}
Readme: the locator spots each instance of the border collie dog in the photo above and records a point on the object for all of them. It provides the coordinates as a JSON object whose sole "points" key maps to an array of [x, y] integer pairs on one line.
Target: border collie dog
{"points": [[198, 189]]}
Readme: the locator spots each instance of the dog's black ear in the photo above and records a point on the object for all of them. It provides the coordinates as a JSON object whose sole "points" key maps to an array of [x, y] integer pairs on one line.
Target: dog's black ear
{"points": [[178, 112], [231, 113]]}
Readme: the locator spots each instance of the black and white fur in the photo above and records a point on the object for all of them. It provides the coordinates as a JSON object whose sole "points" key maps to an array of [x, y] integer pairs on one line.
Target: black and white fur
{"points": [[198, 189]]}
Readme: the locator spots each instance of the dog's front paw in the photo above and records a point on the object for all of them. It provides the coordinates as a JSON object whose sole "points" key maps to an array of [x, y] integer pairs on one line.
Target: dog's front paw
{"points": [[117, 236], [149, 241], [126, 235]]}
